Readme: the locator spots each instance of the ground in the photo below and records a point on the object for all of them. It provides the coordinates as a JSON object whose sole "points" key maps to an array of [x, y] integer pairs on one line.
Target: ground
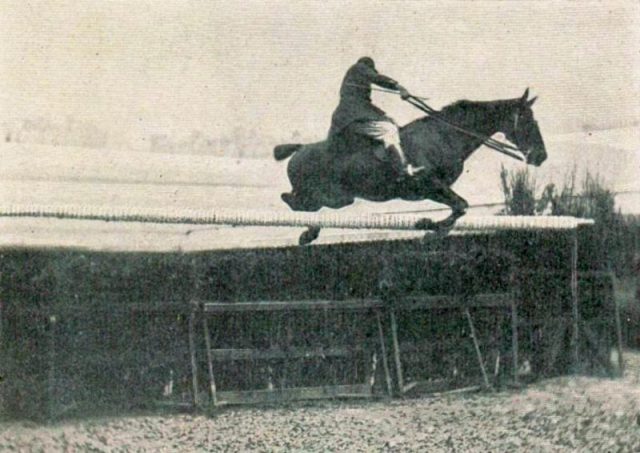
{"points": [[561, 414]]}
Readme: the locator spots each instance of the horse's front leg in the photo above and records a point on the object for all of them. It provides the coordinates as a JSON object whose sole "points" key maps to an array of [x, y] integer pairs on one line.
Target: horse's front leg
{"points": [[445, 195], [310, 235]]}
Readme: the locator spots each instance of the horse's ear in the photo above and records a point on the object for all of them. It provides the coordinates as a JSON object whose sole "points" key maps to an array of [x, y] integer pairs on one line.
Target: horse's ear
{"points": [[525, 96], [531, 101]]}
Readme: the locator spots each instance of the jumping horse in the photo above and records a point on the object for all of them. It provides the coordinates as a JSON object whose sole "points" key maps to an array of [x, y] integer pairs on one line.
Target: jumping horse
{"points": [[332, 175]]}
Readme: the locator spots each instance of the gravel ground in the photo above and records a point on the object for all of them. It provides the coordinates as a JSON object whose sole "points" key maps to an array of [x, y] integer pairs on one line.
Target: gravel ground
{"points": [[561, 414]]}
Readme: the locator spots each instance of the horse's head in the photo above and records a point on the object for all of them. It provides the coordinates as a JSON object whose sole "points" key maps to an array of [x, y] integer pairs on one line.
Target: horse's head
{"points": [[521, 129]]}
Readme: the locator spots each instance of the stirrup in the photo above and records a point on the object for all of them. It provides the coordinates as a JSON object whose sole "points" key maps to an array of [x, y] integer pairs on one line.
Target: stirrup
{"points": [[412, 171], [408, 172]]}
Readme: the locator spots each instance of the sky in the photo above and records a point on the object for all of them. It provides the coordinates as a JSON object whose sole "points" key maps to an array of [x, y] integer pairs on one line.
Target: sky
{"points": [[136, 68]]}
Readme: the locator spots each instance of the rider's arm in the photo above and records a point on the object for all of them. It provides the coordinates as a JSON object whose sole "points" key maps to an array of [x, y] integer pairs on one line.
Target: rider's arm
{"points": [[379, 79], [386, 82]]}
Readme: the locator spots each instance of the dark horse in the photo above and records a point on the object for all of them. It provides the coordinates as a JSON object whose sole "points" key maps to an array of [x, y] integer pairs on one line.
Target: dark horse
{"points": [[323, 177]]}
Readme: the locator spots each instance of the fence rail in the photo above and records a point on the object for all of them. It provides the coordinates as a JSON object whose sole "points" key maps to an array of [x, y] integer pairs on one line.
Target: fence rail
{"points": [[288, 219]]}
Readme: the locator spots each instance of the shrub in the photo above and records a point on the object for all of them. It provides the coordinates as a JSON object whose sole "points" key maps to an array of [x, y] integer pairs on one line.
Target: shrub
{"points": [[519, 190], [616, 235], [613, 243]]}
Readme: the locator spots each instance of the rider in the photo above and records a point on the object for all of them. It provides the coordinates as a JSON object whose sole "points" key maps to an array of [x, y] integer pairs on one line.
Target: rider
{"points": [[358, 116]]}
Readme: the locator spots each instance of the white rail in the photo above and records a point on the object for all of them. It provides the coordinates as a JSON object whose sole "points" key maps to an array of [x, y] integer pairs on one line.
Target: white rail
{"points": [[334, 219]]}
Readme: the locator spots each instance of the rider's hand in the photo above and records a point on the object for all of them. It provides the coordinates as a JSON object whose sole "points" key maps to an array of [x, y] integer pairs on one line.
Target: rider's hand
{"points": [[404, 94]]}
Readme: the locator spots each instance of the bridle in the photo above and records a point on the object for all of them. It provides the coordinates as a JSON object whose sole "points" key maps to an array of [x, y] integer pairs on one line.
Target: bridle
{"points": [[497, 145]]}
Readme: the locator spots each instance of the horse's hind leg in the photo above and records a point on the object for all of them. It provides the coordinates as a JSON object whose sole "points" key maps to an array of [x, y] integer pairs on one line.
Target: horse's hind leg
{"points": [[291, 200], [445, 195], [333, 197], [336, 200], [300, 203]]}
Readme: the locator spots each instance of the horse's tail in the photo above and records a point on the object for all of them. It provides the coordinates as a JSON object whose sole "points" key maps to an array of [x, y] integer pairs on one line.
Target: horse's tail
{"points": [[281, 152]]}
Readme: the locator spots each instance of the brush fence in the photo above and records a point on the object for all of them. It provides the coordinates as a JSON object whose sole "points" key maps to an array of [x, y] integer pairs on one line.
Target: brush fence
{"points": [[86, 331]]}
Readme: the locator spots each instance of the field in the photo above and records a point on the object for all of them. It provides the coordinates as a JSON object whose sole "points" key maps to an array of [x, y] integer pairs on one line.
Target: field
{"points": [[35, 174], [555, 415]]}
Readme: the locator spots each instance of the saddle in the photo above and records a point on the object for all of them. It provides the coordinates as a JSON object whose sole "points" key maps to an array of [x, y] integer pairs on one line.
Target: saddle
{"points": [[347, 143]]}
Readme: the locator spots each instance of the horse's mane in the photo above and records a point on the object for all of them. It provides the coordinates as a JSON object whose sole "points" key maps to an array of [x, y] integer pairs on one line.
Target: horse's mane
{"points": [[459, 110], [457, 106]]}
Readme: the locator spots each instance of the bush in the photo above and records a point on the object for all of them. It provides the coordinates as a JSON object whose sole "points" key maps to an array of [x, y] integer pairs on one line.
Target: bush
{"points": [[519, 190], [613, 242], [618, 236]]}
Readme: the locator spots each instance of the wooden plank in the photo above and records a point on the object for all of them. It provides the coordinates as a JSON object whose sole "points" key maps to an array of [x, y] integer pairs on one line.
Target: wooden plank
{"points": [[194, 363], [514, 338], [412, 301], [159, 358], [396, 349], [411, 349], [383, 352], [288, 305], [3, 350], [564, 272], [108, 306], [477, 348], [278, 396], [471, 388], [231, 354], [575, 337], [51, 371], [440, 387], [423, 301], [212, 380], [612, 276]]}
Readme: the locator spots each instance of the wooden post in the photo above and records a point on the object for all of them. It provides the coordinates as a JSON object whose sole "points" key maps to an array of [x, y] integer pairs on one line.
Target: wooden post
{"points": [[396, 349], [51, 369], [477, 347], [192, 353], [383, 352], [3, 356], [575, 337], [195, 307], [618, 323], [514, 338], [212, 381]]}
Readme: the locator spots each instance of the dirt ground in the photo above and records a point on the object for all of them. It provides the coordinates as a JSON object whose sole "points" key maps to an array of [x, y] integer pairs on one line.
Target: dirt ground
{"points": [[554, 415]]}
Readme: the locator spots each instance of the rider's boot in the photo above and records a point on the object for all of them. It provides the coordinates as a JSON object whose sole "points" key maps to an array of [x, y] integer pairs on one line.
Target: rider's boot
{"points": [[402, 168]]}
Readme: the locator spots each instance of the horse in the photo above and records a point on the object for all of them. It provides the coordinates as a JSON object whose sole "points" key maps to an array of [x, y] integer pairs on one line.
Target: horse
{"points": [[321, 177]]}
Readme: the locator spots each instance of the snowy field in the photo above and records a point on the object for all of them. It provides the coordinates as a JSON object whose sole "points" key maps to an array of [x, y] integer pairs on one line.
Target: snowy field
{"points": [[55, 176]]}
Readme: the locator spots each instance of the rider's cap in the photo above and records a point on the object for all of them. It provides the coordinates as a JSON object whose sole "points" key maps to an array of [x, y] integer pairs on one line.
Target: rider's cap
{"points": [[367, 61]]}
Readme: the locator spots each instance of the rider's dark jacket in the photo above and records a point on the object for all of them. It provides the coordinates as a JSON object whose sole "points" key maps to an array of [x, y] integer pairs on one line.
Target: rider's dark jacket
{"points": [[355, 97]]}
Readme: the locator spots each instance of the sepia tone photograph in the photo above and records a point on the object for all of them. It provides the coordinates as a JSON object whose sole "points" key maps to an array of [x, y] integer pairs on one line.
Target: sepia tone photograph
{"points": [[350, 226]]}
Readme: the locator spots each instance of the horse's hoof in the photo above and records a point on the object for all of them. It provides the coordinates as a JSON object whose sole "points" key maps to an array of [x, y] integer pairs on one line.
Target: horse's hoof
{"points": [[425, 224], [288, 198], [309, 236]]}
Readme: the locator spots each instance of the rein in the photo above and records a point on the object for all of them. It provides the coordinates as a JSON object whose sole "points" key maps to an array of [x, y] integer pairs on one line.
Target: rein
{"points": [[385, 90], [418, 102], [492, 143]]}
